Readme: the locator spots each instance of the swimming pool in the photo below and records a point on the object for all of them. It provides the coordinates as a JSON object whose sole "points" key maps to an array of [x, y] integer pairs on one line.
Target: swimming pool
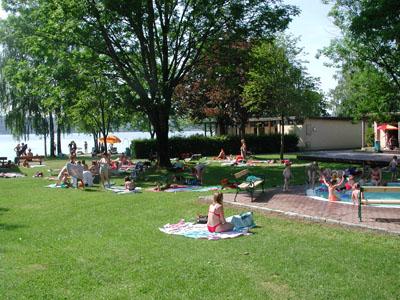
{"points": [[321, 193]]}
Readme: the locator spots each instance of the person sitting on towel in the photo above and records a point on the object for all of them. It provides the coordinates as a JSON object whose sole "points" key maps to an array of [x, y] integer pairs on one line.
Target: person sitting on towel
{"points": [[221, 154], [129, 184], [216, 221]]}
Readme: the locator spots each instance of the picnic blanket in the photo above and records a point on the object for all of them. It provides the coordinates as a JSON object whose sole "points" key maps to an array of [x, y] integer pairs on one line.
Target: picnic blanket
{"points": [[11, 175], [239, 164], [200, 231], [193, 188], [37, 166], [55, 186], [120, 190], [75, 170]]}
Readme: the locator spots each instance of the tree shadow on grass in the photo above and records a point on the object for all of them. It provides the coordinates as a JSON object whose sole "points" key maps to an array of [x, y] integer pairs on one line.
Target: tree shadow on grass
{"points": [[4, 226], [3, 209], [87, 189]]}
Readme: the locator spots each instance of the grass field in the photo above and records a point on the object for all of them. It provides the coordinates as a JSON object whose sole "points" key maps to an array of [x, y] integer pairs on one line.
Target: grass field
{"points": [[93, 244]]}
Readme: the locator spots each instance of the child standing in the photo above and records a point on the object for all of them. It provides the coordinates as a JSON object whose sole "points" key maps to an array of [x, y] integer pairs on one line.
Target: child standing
{"points": [[104, 169], [393, 168], [332, 185], [356, 193], [287, 175]]}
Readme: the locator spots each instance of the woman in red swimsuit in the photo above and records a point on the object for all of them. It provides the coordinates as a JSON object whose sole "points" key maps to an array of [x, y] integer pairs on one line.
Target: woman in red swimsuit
{"points": [[216, 220]]}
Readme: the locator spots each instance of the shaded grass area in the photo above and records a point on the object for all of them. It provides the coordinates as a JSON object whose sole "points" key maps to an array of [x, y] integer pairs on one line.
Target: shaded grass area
{"points": [[67, 243]]}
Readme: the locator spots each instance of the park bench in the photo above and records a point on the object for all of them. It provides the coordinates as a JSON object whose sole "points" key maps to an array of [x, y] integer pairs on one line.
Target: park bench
{"points": [[35, 158], [376, 189], [3, 161], [250, 183]]}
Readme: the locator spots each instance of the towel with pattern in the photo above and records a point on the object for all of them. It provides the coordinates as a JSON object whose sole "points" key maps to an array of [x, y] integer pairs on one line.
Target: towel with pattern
{"points": [[193, 188], [120, 190], [200, 231], [11, 175]]}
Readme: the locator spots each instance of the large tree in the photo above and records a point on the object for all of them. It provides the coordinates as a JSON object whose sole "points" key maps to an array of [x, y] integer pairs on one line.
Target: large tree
{"points": [[367, 55], [279, 86], [214, 88], [154, 44]]}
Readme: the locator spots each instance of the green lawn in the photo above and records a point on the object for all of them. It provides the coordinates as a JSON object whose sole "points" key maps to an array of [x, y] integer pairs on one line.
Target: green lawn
{"points": [[92, 244]]}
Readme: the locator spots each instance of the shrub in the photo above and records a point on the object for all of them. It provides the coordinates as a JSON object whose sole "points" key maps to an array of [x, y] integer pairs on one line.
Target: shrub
{"points": [[210, 146]]}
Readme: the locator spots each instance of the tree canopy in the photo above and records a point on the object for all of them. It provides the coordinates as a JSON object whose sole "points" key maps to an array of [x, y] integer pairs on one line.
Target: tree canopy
{"points": [[367, 56], [151, 45], [278, 84]]}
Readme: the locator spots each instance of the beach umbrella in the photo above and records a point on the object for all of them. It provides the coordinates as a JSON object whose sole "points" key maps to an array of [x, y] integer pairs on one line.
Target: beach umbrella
{"points": [[111, 139], [386, 127]]}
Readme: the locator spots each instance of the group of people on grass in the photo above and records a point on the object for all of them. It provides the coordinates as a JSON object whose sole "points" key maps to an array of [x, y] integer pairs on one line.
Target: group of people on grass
{"points": [[243, 156], [100, 170], [22, 151], [82, 175]]}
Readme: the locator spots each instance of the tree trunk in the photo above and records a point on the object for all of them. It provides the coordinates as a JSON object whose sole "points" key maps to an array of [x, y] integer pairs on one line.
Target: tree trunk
{"points": [[222, 127], [45, 144], [242, 130], [59, 151], [95, 141], [282, 136], [51, 129], [105, 142], [161, 127], [151, 131]]}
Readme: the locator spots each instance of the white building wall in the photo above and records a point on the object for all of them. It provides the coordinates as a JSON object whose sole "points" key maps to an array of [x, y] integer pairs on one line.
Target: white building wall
{"points": [[325, 134]]}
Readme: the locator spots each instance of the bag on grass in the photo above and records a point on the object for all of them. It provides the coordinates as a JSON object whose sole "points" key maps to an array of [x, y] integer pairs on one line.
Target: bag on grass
{"points": [[201, 219], [243, 220]]}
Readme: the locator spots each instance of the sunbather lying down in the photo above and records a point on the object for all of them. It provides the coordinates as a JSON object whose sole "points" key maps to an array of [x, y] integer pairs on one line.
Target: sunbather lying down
{"points": [[165, 186]]}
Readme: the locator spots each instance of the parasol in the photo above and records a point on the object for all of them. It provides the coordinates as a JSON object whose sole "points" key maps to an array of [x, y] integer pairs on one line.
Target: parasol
{"points": [[386, 127], [111, 139]]}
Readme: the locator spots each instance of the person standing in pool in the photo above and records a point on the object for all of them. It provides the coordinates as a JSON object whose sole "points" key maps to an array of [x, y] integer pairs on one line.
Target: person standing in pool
{"points": [[376, 176], [356, 193], [393, 168], [332, 185]]}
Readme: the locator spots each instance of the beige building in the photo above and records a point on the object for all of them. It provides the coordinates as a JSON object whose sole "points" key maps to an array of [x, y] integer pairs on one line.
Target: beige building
{"points": [[321, 133], [327, 133]]}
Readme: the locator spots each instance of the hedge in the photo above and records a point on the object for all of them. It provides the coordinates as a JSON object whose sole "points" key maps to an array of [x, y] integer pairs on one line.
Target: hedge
{"points": [[210, 146]]}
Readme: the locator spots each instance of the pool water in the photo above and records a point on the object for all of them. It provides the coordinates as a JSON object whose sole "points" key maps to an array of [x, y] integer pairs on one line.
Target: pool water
{"points": [[321, 193]]}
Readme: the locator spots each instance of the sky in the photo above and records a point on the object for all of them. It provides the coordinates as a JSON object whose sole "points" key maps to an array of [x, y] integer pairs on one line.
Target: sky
{"points": [[315, 30]]}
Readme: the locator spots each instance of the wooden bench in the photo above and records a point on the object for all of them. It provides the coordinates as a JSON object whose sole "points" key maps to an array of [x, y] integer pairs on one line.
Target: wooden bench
{"points": [[249, 186], [36, 158], [376, 189], [3, 161]]}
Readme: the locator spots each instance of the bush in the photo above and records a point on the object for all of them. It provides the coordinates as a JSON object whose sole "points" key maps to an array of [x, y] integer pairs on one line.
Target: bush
{"points": [[210, 146]]}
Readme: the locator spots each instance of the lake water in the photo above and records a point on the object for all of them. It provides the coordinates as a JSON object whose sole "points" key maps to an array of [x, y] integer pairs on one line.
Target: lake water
{"points": [[8, 143]]}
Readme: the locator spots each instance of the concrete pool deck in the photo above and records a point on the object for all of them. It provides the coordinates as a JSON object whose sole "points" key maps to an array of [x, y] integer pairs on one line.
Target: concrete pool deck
{"points": [[348, 156], [295, 204]]}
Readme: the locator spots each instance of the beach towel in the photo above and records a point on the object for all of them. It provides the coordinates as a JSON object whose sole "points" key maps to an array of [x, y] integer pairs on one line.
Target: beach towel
{"points": [[200, 231], [193, 188], [55, 186], [11, 175], [120, 190], [37, 166], [75, 170]]}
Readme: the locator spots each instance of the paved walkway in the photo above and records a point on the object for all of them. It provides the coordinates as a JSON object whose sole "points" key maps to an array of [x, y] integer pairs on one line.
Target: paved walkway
{"points": [[348, 156], [296, 204]]}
